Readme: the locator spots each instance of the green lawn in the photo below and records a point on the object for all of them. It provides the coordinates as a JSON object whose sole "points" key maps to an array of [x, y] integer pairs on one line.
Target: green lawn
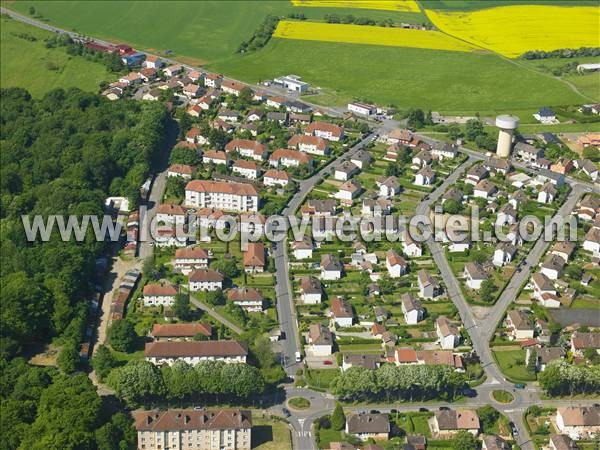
{"points": [[406, 77], [508, 362], [321, 378], [25, 63], [270, 435]]}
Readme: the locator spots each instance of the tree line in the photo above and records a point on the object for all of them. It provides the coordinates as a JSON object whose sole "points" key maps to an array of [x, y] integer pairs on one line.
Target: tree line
{"points": [[141, 382], [561, 378], [390, 382], [562, 53]]}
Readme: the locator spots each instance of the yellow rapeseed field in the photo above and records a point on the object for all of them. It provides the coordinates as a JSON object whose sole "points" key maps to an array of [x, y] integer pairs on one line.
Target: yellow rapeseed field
{"points": [[389, 5], [372, 35], [513, 30]]}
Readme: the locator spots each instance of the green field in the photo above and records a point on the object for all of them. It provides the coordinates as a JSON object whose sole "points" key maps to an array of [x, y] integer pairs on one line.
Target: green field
{"points": [[209, 33], [512, 364], [197, 31], [406, 77], [25, 63]]}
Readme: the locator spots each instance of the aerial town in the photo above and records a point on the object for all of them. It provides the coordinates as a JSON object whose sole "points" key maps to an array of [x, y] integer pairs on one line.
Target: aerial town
{"points": [[435, 282]]}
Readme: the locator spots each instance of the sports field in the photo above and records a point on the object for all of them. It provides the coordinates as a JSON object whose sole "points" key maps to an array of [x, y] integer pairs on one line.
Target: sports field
{"points": [[389, 5], [30, 65], [513, 30], [369, 35], [406, 77]]}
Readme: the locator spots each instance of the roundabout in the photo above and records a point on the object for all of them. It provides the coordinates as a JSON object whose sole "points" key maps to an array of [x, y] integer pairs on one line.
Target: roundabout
{"points": [[502, 396], [299, 403]]}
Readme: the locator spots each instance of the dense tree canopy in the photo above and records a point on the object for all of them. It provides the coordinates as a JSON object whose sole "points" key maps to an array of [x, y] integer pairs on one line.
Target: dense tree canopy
{"points": [[63, 154]]}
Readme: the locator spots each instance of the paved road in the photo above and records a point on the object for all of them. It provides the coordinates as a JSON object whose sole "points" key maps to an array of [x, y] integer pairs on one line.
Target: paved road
{"points": [[488, 325], [270, 90], [286, 308]]}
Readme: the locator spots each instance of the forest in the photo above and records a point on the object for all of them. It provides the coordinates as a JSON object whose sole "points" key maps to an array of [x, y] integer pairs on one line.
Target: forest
{"points": [[61, 154]]}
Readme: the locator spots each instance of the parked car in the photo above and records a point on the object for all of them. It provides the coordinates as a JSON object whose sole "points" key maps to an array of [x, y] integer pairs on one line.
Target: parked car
{"points": [[286, 412], [519, 385], [513, 428]]}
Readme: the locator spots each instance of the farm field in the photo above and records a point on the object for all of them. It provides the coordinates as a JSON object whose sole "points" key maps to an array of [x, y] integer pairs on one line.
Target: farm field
{"points": [[20, 56], [434, 80], [369, 35], [472, 5], [398, 5], [195, 32], [513, 30]]}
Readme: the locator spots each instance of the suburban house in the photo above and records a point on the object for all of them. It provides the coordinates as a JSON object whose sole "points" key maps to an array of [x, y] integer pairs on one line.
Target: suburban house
{"points": [[190, 258], [591, 241], [191, 90], [349, 191], [180, 331], [543, 356], [369, 361], [422, 159], [528, 153], [173, 70], [578, 422], [341, 312], [475, 275], [476, 173], [410, 247], [564, 249], [446, 423], [152, 62], [518, 325], [169, 237], [194, 352], [205, 280], [581, 341], [425, 176], [497, 165], [249, 299], [389, 187], [187, 429], [320, 340], [152, 95], [376, 207], [494, 442], [221, 195], [215, 157], [545, 115], [213, 80], [507, 215], [412, 309], [561, 442], [453, 194], [320, 207], [547, 193], [254, 258], [170, 214], [368, 426], [345, 171], [232, 87], [428, 285], [331, 267], [309, 144], [228, 116], [396, 264], [310, 290], [247, 169], [447, 333], [541, 285], [410, 356], [247, 148], [159, 294], [289, 158], [303, 249], [180, 170], [325, 130], [504, 254], [444, 150], [362, 159], [484, 189], [274, 177], [552, 266]]}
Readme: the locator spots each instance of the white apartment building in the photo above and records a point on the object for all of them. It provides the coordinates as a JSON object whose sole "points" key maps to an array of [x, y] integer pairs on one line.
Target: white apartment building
{"points": [[221, 195]]}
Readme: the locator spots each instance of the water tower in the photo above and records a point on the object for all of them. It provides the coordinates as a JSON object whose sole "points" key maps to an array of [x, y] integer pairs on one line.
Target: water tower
{"points": [[507, 124]]}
